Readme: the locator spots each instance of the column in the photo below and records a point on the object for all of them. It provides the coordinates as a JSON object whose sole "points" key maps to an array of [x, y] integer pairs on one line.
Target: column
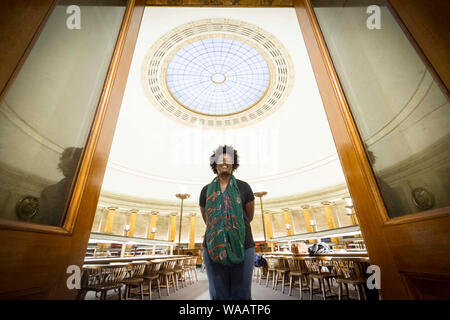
{"points": [[107, 227], [307, 215], [268, 226], [288, 222], [172, 227], [192, 220], [330, 220], [132, 222], [152, 225], [132, 225]]}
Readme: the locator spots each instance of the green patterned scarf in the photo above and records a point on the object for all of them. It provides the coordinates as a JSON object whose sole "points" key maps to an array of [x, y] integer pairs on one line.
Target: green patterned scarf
{"points": [[225, 228]]}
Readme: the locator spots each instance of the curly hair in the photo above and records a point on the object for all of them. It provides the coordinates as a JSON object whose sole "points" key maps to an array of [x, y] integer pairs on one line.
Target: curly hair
{"points": [[224, 150]]}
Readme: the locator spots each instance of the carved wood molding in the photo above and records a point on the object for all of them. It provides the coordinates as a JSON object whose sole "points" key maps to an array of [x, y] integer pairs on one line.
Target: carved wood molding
{"points": [[221, 3]]}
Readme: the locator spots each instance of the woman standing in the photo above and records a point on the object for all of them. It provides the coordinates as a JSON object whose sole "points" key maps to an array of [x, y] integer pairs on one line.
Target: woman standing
{"points": [[227, 206]]}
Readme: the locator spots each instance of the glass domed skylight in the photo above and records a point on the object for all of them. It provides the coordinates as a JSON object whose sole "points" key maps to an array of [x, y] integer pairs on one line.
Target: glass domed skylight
{"points": [[218, 76]]}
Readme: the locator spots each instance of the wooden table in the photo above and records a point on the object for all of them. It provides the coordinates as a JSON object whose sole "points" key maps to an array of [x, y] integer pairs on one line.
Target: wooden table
{"points": [[331, 254], [129, 259]]}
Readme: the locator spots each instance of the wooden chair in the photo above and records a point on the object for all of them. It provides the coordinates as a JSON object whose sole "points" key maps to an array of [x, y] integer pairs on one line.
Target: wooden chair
{"points": [[136, 271], [271, 265], [298, 269], [351, 271], [192, 270], [167, 274], [188, 270], [281, 269], [102, 278], [180, 272], [194, 267], [263, 274], [315, 272], [151, 274]]}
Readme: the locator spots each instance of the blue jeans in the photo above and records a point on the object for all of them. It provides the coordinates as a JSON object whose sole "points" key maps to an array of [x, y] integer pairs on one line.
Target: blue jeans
{"points": [[230, 283]]}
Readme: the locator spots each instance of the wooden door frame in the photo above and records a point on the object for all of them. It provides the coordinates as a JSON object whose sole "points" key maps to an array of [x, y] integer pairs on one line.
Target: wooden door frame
{"points": [[72, 238], [382, 234]]}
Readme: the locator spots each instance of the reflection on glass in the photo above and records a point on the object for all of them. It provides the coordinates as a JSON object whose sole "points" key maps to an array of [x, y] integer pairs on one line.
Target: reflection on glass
{"points": [[402, 115], [46, 116]]}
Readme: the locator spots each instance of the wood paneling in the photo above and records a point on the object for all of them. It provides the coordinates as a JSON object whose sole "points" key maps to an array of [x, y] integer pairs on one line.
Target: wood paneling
{"points": [[361, 183], [428, 23], [413, 252], [33, 264], [17, 37], [221, 3], [120, 67]]}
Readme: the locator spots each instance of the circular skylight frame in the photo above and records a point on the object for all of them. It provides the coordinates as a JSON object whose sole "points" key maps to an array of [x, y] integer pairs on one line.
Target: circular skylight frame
{"points": [[155, 64]]}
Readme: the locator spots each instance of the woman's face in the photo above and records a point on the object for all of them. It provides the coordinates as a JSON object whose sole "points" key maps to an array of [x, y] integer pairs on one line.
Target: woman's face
{"points": [[224, 164]]}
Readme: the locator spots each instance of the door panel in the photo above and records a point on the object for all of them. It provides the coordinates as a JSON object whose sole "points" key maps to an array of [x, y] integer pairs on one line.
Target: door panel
{"points": [[15, 44], [428, 24], [60, 83], [401, 113], [36, 255], [114, 90], [384, 92]]}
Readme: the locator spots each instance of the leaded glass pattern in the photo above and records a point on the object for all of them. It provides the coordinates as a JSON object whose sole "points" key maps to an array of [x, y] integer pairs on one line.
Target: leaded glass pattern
{"points": [[218, 76]]}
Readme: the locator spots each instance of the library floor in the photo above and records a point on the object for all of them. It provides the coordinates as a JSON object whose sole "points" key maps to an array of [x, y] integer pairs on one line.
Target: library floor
{"points": [[199, 291]]}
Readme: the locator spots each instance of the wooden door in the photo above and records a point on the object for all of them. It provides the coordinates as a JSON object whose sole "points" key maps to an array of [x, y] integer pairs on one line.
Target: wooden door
{"points": [[403, 207], [62, 77]]}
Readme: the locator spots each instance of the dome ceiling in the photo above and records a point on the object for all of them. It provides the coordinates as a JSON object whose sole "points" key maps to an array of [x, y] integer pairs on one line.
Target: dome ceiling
{"points": [[159, 150], [217, 73]]}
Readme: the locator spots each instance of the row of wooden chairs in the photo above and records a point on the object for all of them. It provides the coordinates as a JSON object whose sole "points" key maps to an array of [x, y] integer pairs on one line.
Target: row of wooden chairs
{"points": [[174, 273], [304, 271], [167, 273]]}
